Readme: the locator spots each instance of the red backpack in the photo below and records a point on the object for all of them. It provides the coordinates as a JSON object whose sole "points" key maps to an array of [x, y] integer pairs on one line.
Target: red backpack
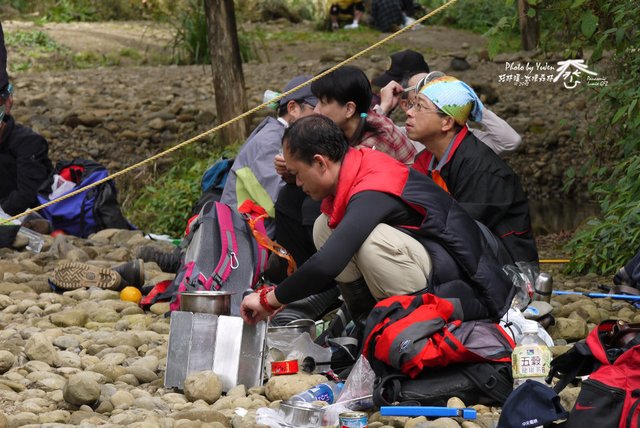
{"points": [[411, 333], [610, 397]]}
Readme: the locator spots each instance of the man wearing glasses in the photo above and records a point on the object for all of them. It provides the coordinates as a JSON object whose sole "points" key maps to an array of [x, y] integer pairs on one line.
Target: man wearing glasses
{"points": [[485, 186], [24, 160]]}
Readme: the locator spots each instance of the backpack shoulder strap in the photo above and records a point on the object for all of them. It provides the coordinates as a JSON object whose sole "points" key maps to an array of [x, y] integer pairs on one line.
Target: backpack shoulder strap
{"points": [[578, 361], [228, 259]]}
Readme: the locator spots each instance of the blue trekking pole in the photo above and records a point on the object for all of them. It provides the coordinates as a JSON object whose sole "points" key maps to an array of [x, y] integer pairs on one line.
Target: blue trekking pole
{"points": [[598, 295]]}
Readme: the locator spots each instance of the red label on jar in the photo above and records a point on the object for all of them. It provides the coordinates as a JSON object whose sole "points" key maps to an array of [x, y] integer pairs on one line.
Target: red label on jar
{"points": [[284, 367]]}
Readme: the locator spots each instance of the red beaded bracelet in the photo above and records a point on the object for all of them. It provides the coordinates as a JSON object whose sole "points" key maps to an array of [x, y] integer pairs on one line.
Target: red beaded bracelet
{"points": [[263, 299]]}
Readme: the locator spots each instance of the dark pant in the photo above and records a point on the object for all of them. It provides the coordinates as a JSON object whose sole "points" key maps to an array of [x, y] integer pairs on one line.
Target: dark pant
{"points": [[295, 215]]}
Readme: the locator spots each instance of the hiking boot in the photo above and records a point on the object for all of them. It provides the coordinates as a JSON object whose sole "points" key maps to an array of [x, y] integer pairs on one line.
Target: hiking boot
{"points": [[167, 261], [74, 275], [358, 299], [37, 223], [132, 273]]}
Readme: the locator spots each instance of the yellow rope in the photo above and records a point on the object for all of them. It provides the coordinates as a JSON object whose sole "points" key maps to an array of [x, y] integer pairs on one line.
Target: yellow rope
{"points": [[554, 261], [231, 121]]}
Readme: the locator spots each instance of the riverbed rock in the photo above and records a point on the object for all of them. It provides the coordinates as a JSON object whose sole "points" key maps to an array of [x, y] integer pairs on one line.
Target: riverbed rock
{"points": [[7, 359], [284, 387], [204, 385], [81, 389]]}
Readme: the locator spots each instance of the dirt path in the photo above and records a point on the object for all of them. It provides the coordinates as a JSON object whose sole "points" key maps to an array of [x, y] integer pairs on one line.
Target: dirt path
{"points": [[101, 37]]}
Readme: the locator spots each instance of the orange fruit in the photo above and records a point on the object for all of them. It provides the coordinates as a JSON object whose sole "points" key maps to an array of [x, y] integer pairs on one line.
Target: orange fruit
{"points": [[131, 294]]}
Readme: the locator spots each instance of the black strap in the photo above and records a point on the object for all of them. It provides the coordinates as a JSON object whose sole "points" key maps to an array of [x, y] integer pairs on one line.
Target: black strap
{"points": [[389, 386], [584, 362], [489, 380]]}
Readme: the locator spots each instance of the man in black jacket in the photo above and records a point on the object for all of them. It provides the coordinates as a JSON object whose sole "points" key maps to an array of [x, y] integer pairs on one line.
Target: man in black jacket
{"points": [[24, 160], [482, 183]]}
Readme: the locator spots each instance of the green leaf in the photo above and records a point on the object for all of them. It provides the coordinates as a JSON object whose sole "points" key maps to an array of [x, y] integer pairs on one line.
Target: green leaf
{"points": [[531, 12], [577, 3], [620, 36], [589, 23], [621, 111]]}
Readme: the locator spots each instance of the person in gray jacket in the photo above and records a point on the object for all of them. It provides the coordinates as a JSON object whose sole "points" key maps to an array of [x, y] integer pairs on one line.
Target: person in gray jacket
{"points": [[253, 175]]}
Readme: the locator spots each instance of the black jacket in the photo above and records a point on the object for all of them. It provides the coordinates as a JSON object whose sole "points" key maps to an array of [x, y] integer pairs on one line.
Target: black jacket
{"points": [[489, 190], [24, 166]]}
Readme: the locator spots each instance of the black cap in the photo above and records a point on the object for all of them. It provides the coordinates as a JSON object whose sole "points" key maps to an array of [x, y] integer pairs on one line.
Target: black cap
{"points": [[303, 94], [532, 404], [403, 64]]}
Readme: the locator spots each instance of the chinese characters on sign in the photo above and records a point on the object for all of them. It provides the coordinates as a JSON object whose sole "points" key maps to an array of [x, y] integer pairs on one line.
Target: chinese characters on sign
{"points": [[571, 73]]}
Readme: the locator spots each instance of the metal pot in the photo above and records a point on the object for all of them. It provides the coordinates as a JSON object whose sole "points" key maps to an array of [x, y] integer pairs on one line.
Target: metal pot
{"points": [[296, 328], [210, 302], [301, 414]]}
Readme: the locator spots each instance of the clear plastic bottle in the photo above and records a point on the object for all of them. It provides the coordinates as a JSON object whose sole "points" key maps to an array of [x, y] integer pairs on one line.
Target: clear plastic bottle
{"points": [[36, 241], [327, 391], [531, 356]]}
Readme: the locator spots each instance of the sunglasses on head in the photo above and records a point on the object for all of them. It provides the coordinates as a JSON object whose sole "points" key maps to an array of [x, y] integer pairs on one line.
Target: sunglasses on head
{"points": [[426, 79]]}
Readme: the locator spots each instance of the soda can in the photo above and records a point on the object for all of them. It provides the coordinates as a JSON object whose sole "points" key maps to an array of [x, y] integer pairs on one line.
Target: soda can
{"points": [[353, 420]]}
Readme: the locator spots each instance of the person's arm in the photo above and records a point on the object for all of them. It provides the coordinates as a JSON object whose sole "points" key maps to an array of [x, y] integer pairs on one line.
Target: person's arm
{"points": [[497, 134], [390, 97], [30, 152], [364, 212]]}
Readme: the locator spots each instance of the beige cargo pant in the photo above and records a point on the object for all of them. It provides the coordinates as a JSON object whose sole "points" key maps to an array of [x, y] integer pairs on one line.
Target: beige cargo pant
{"points": [[391, 262]]}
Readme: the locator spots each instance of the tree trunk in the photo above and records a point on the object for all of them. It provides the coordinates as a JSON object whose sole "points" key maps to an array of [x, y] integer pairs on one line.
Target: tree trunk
{"points": [[529, 26], [226, 66]]}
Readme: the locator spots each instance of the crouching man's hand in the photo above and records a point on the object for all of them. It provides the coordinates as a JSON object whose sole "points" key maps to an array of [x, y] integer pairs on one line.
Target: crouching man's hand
{"points": [[259, 306]]}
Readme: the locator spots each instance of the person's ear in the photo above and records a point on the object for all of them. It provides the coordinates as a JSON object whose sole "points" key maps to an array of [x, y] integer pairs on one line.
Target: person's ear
{"points": [[447, 123], [322, 162], [293, 108], [350, 108]]}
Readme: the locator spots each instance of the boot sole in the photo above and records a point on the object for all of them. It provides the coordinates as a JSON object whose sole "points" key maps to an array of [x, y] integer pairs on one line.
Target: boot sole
{"points": [[74, 275]]}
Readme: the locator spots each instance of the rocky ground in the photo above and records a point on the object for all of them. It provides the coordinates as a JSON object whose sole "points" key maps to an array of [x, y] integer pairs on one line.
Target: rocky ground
{"points": [[121, 115], [86, 357]]}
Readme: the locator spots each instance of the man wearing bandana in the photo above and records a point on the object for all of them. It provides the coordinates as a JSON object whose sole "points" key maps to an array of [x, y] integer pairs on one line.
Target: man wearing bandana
{"points": [[485, 186]]}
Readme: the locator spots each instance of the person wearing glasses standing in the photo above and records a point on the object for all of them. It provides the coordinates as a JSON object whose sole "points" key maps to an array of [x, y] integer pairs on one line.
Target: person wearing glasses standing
{"points": [[24, 154], [482, 183]]}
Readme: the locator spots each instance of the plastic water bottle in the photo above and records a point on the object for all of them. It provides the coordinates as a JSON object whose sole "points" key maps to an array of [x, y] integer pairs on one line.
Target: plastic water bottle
{"points": [[36, 241], [327, 391], [531, 356]]}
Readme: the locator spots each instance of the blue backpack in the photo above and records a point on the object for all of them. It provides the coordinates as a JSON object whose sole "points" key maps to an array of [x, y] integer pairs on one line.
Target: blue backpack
{"points": [[88, 211]]}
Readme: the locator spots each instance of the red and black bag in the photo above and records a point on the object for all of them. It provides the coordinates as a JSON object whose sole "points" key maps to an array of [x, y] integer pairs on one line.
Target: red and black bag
{"points": [[410, 333], [406, 336], [610, 397]]}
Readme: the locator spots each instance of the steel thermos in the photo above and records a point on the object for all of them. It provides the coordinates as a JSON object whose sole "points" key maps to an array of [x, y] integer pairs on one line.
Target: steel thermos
{"points": [[543, 287]]}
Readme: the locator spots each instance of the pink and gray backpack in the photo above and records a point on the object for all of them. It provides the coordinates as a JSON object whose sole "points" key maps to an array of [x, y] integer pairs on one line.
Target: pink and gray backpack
{"points": [[221, 254]]}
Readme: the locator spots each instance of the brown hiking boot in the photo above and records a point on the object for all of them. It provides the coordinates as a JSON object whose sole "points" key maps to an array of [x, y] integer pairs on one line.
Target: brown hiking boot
{"points": [[73, 275]]}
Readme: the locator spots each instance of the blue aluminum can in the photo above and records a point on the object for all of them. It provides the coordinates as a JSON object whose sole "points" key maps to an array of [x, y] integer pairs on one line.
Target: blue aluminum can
{"points": [[353, 420]]}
